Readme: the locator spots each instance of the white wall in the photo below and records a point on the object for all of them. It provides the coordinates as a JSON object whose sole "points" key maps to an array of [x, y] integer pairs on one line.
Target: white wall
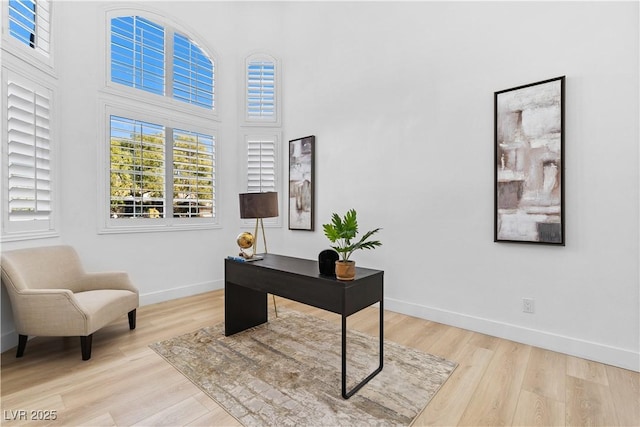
{"points": [[400, 98]]}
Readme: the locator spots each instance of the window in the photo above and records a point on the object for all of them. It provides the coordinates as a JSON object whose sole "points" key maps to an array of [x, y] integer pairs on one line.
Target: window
{"points": [[140, 59], [27, 157], [193, 174], [29, 23], [261, 113], [262, 170], [137, 54], [160, 125], [261, 94], [137, 169], [139, 154], [192, 73]]}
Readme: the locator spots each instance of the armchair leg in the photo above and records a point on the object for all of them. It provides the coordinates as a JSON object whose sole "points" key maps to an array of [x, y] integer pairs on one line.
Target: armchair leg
{"points": [[132, 319], [22, 344], [85, 345]]}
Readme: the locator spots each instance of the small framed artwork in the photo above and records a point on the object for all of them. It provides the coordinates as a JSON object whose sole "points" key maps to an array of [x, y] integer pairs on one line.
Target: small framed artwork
{"points": [[529, 163], [301, 183]]}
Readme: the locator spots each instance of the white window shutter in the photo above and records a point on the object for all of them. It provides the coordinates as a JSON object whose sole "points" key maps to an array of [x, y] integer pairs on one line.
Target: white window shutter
{"points": [[28, 153], [29, 22], [261, 96], [193, 73], [137, 54], [261, 164], [137, 169], [193, 174]]}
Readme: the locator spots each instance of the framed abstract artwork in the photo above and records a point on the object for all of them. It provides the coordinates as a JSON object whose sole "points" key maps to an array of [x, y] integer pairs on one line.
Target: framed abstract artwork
{"points": [[529, 163], [301, 183]]}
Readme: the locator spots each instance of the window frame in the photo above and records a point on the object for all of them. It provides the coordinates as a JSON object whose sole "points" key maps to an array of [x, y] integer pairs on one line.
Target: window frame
{"points": [[110, 225], [41, 59], [116, 99]]}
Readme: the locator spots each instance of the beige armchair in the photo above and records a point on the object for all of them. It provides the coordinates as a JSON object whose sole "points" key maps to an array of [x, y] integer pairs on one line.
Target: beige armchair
{"points": [[52, 295]]}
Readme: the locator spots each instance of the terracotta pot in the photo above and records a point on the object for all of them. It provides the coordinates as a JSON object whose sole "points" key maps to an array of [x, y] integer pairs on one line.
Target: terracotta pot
{"points": [[345, 270]]}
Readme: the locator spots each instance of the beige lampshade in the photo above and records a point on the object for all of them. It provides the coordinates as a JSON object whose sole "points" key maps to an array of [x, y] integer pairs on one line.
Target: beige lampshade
{"points": [[259, 205]]}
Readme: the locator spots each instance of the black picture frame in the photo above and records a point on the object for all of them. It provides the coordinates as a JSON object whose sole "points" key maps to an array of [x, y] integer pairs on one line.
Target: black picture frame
{"points": [[302, 183], [529, 163]]}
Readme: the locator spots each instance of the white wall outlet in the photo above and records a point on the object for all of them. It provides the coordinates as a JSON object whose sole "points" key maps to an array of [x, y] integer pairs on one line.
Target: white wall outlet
{"points": [[528, 305]]}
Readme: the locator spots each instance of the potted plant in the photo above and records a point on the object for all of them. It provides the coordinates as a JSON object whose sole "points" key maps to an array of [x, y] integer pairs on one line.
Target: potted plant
{"points": [[342, 232]]}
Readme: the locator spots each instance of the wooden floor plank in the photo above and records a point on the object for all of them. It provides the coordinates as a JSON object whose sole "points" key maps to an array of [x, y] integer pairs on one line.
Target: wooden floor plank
{"points": [[625, 391], [589, 404], [537, 410], [495, 399]]}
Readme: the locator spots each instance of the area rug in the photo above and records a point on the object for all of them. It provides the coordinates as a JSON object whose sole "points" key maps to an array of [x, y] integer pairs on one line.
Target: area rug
{"points": [[287, 372]]}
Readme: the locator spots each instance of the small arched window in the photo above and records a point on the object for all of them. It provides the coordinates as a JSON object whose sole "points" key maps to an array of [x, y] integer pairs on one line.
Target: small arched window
{"points": [[261, 93]]}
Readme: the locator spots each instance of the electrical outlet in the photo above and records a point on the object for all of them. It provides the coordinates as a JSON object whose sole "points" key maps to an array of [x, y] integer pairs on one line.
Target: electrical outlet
{"points": [[528, 305]]}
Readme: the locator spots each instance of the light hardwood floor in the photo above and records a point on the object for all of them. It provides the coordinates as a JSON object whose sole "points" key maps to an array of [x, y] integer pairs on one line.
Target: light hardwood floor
{"points": [[497, 382]]}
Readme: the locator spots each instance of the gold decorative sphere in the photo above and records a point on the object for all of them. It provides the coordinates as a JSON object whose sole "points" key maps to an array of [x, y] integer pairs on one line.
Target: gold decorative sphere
{"points": [[245, 240]]}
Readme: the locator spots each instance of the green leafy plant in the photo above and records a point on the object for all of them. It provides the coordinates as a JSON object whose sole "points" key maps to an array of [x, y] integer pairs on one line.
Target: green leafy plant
{"points": [[343, 230]]}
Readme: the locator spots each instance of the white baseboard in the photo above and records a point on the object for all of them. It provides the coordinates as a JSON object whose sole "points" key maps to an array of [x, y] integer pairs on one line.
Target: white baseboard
{"points": [[609, 355], [181, 292], [10, 339]]}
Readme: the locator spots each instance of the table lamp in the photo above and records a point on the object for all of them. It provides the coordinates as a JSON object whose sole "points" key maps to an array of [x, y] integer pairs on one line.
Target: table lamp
{"points": [[259, 206]]}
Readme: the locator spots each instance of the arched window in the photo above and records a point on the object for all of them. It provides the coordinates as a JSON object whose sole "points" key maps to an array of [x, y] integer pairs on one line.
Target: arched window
{"points": [[158, 59], [161, 127], [262, 90]]}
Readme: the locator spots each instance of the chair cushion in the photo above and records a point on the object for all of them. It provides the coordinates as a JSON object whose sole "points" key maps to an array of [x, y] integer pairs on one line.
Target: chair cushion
{"points": [[103, 306]]}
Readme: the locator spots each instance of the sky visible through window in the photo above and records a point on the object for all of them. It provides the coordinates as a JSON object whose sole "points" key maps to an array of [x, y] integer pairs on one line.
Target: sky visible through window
{"points": [[22, 21]]}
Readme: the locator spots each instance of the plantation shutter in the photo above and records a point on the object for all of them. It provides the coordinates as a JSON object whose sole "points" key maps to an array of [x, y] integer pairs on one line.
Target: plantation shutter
{"points": [[193, 73], [261, 90], [137, 54], [28, 153], [29, 22], [193, 174], [137, 169], [261, 164]]}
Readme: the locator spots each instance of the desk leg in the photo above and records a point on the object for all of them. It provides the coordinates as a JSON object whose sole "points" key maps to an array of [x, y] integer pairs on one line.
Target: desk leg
{"points": [[244, 308], [347, 394]]}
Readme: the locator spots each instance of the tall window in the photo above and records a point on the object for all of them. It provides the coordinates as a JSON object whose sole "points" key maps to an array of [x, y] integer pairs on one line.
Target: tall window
{"points": [[29, 23], [261, 120], [28, 140], [162, 164]]}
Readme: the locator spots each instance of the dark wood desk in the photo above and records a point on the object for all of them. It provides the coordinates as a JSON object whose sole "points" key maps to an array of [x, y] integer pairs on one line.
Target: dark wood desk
{"points": [[247, 284]]}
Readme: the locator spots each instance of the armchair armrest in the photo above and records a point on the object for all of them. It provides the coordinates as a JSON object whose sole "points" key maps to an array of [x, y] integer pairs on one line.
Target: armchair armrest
{"points": [[105, 280], [48, 312]]}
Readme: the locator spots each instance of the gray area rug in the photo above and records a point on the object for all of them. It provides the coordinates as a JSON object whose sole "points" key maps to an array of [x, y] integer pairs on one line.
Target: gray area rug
{"points": [[287, 372]]}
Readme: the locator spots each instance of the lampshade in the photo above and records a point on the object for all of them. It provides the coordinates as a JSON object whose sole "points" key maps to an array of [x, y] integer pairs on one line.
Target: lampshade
{"points": [[259, 205]]}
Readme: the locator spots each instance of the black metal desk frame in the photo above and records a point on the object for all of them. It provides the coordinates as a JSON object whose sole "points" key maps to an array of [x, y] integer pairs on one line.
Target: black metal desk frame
{"points": [[248, 283]]}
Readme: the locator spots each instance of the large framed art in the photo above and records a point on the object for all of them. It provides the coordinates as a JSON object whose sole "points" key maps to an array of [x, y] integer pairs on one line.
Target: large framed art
{"points": [[301, 183], [529, 163]]}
